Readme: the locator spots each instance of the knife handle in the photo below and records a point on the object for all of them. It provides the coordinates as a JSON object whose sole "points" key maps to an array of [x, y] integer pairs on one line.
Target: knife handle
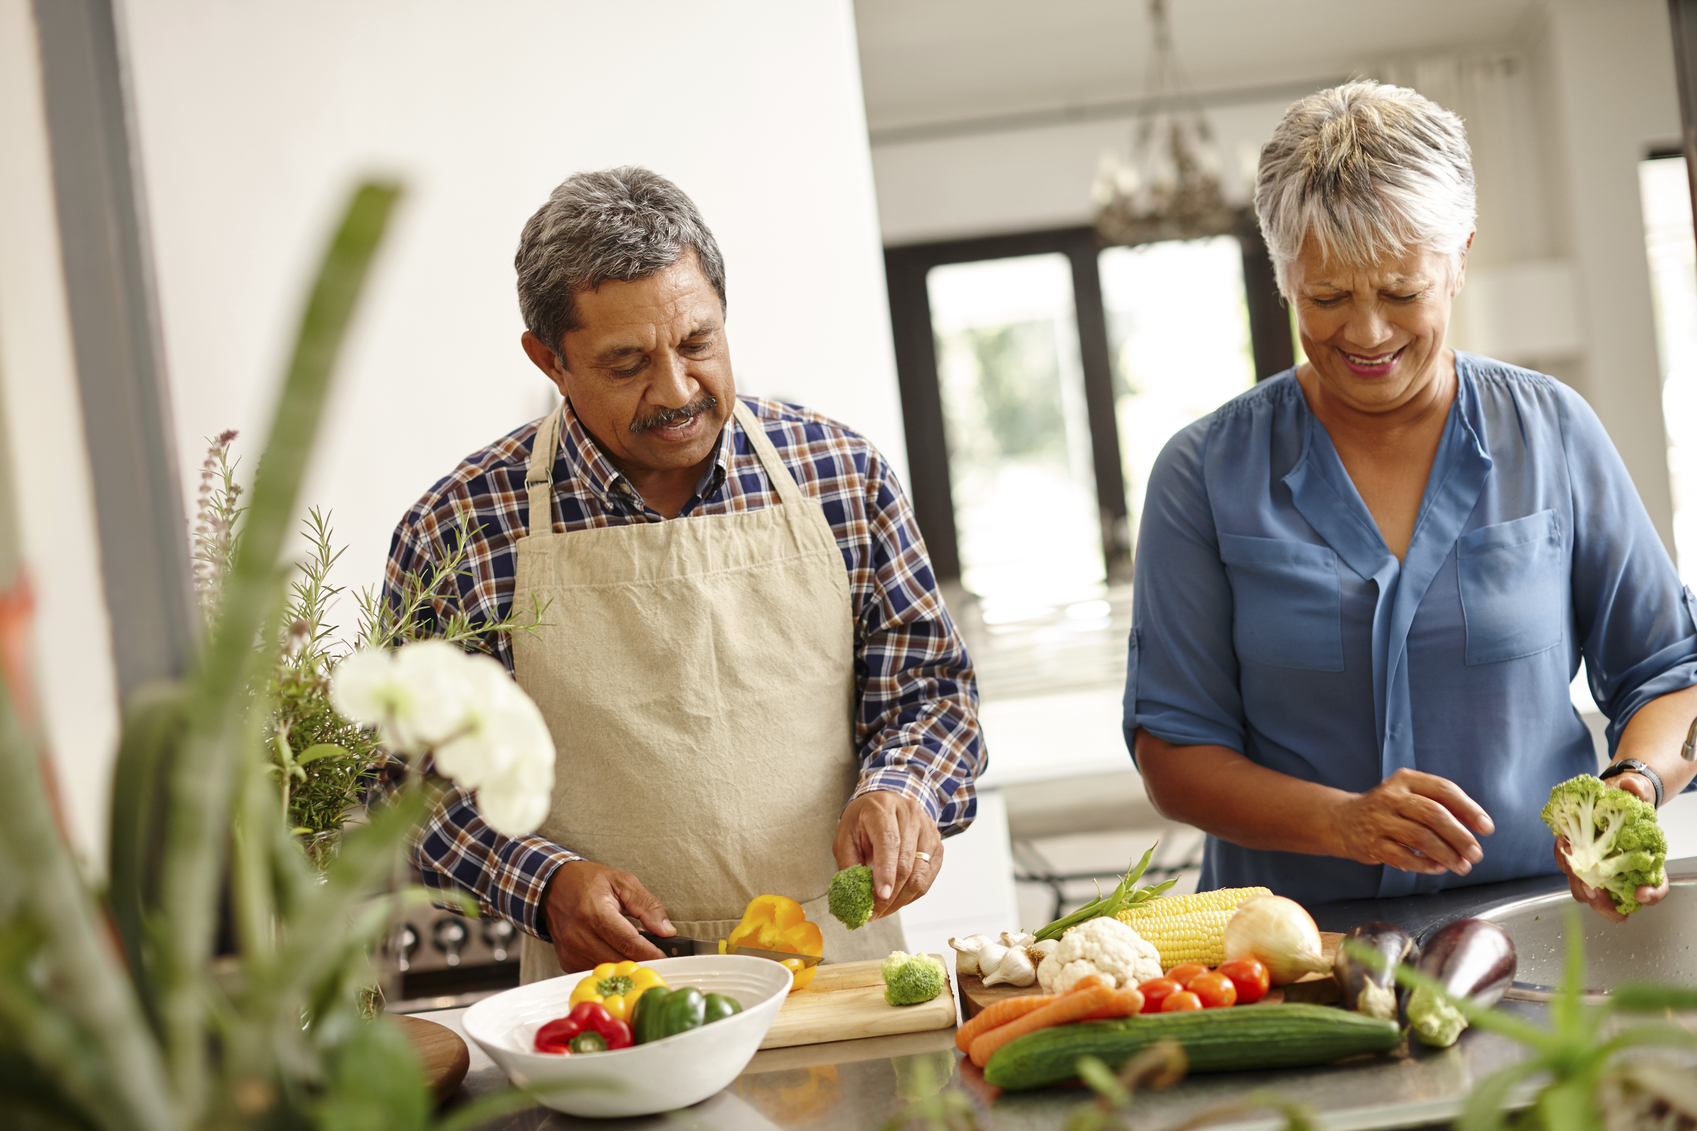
{"points": [[674, 947]]}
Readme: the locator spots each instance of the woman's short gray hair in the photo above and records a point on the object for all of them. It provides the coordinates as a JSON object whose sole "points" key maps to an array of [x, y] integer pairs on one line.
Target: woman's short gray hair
{"points": [[1370, 172], [616, 225]]}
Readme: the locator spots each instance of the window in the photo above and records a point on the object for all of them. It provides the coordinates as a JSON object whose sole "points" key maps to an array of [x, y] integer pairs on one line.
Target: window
{"points": [[1178, 334], [1666, 195], [1017, 429]]}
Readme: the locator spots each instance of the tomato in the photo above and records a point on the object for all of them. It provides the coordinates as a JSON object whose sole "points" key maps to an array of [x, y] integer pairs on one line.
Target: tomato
{"points": [[1215, 990], [1183, 1000], [1155, 991], [1182, 974], [1249, 976]]}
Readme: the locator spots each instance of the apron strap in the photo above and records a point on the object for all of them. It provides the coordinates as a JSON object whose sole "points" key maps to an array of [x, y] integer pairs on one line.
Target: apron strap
{"points": [[783, 482], [539, 476]]}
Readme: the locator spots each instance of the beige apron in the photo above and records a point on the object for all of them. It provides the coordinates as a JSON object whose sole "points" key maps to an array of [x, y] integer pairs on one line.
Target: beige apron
{"points": [[697, 675]]}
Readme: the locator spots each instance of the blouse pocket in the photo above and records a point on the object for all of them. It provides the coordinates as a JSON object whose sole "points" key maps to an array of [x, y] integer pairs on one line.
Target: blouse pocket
{"points": [[1288, 604], [1513, 582]]}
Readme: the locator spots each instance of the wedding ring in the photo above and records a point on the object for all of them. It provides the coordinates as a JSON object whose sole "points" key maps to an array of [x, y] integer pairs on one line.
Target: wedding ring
{"points": [[925, 856]]}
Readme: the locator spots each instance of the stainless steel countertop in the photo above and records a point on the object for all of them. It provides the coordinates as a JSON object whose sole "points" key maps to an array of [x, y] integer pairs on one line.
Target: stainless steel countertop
{"points": [[857, 1085]]}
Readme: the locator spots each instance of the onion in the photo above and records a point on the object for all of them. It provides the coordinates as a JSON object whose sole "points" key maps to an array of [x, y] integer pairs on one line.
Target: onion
{"points": [[1279, 934]]}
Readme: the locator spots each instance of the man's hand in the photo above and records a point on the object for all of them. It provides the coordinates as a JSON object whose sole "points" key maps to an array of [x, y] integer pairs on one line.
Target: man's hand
{"points": [[1416, 822], [1596, 898], [586, 904], [888, 831]]}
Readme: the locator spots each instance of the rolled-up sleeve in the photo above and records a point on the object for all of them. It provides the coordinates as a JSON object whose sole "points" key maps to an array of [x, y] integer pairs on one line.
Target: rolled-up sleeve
{"points": [[1637, 625], [1182, 672]]}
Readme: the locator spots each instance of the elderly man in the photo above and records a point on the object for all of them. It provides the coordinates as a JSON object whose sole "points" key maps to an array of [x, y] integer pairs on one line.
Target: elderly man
{"points": [[749, 674]]}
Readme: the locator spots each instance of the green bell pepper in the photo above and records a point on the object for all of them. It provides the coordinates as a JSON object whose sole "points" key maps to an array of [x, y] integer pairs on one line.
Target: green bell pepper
{"points": [[663, 1013]]}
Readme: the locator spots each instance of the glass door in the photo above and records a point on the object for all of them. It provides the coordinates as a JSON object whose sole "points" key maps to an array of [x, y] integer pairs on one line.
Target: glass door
{"points": [[1018, 432], [1179, 341]]}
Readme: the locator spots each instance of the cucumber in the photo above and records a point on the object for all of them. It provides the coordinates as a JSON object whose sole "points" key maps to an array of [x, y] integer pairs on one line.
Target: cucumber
{"points": [[1214, 1040]]}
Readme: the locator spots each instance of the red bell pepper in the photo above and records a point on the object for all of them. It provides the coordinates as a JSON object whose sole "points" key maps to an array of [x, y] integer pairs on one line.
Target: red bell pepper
{"points": [[587, 1028]]}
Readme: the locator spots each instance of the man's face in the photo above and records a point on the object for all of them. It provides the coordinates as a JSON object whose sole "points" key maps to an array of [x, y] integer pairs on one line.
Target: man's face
{"points": [[649, 371]]}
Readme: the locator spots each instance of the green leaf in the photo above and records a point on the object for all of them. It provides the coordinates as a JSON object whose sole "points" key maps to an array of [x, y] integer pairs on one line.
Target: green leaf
{"points": [[216, 740], [321, 750], [1569, 1105], [1102, 1080], [376, 1083], [1484, 1110], [1647, 997]]}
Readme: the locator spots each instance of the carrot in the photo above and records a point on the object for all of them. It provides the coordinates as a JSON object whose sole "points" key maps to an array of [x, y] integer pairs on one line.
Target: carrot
{"points": [[1125, 1003], [1073, 1006], [998, 1013]]}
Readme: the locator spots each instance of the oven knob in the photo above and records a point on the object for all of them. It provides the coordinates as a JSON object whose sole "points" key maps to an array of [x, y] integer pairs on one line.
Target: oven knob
{"points": [[449, 935]]}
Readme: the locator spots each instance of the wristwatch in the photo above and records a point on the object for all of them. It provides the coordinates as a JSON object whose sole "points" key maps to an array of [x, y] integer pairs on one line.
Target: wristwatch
{"points": [[1636, 767]]}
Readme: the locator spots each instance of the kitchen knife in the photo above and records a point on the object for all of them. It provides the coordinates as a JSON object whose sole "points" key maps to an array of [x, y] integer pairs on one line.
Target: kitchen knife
{"points": [[679, 947]]}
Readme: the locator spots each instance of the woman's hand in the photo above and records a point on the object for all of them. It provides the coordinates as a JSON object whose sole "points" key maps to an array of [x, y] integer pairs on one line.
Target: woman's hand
{"points": [[1596, 898], [1416, 822]]}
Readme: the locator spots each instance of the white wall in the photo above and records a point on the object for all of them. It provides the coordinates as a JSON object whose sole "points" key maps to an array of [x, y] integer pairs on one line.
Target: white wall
{"points": [[255, 117], [1614, 97], [51, 481]]}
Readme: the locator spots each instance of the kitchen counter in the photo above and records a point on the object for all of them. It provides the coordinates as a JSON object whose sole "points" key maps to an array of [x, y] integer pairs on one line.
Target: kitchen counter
{"points": [[857, 1085]]}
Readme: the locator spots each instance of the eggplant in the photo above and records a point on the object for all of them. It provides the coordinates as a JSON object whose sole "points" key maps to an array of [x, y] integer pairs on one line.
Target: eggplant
{"points": [[1471, 959], [1369, 985]]}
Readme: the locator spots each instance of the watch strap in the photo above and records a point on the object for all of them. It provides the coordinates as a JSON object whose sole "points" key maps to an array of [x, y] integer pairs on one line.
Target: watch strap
{"points": [[1637, 767]]}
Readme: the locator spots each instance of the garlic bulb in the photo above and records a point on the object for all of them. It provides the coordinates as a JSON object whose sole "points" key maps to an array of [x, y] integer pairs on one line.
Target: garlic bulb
{"points": [[1038, 951], [1280, 934], [1015, 969], [966, 953], [1017, 938]]}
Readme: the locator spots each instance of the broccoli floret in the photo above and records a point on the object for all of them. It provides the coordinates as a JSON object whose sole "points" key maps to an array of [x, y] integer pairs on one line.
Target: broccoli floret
{"points": [[1614, 842], [851, 896], [912, 978]]}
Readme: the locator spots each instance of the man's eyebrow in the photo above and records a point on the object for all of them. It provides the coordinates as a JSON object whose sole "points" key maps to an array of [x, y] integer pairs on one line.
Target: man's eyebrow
{"points": [[702, 330], [617, 353]]}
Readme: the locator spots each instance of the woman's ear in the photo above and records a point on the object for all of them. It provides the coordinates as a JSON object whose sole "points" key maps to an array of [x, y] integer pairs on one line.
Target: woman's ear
{"points": [[1461, 264]]}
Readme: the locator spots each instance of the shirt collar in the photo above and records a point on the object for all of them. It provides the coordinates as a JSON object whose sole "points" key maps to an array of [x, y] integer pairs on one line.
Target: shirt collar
{"points": [[580, 457]]}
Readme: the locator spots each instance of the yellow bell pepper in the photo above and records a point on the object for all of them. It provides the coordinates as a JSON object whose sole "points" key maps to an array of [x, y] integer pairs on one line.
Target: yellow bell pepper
{"points": [[772, 922], [616, 986]]}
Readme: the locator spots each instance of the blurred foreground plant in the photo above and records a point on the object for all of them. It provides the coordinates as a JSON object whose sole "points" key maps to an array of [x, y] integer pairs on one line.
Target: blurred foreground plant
{"points": [[1591, 1086], [119, 1014]]}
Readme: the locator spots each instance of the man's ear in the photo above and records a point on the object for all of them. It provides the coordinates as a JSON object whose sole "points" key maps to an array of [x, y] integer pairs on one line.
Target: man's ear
{"points": [[553, 366]]}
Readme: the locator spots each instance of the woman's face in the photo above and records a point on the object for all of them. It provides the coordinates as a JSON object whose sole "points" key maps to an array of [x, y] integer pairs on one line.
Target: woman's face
{"points": [[1375, 335]]}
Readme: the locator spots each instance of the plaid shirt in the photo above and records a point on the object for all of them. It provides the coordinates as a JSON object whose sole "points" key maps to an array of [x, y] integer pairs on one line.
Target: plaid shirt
{"points": [[916, 718]]}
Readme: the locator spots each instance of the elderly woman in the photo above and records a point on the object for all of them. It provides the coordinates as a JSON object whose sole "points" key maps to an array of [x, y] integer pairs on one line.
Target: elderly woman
{"points": [[1364, 587]]}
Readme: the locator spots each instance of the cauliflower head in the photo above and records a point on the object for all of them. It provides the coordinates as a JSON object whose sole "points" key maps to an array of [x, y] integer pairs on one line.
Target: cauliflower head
{"points": [[1102, 946]]}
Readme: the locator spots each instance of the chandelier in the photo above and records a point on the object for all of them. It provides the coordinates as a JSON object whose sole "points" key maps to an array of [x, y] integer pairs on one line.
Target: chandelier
{"points": [[1170, 187]]}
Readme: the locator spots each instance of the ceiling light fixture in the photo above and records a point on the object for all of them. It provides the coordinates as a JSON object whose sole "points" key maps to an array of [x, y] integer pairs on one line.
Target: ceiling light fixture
{"points": [[1170, 187]]}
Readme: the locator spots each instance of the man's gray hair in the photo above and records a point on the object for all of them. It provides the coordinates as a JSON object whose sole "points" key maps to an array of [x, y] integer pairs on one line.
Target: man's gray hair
{"points": [[1370, 172], [616, 225]]}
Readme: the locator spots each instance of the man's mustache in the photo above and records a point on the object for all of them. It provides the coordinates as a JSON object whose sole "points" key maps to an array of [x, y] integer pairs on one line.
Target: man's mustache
{"points": [[669, 416]]}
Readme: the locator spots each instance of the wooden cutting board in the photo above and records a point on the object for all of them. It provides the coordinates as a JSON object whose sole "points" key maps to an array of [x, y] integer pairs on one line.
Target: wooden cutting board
{"points": [[975, 995], [442, 1053], [846, 1001]]}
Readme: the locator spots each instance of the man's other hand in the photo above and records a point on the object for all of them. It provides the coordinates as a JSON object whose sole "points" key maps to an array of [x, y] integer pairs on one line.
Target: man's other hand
{"points": [[586, 906], [890, 831]]}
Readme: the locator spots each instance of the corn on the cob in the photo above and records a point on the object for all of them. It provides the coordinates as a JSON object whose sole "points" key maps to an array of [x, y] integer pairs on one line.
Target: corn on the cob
{"points": [[1188, 928]]}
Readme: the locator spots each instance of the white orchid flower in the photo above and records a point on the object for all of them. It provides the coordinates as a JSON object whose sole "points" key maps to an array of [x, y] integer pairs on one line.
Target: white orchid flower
{"points": [[485, 732]]}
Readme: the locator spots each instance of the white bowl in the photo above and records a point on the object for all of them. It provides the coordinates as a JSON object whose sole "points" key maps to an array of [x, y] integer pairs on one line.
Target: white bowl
{"points": [[662, 1075]]}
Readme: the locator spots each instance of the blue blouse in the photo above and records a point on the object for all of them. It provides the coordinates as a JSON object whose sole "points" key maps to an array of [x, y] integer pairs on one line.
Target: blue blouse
{"points": [[1269, 616]]}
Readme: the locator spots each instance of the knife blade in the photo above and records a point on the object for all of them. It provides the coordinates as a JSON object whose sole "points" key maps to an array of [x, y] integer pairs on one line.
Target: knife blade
{"points": [[678, 946]]}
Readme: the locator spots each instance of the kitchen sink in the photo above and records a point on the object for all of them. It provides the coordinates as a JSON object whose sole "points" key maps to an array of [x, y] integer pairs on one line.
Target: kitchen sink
{"points": [[1654, 945]]}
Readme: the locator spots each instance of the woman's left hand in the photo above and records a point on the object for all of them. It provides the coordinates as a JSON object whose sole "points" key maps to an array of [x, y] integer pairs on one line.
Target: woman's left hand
{"points": [[1598, 899]]}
